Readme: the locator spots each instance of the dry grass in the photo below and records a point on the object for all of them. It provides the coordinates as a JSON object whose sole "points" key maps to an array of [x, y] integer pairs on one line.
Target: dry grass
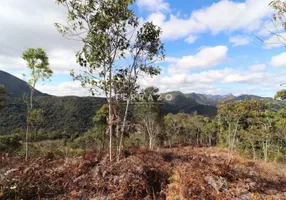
{"points": [[177, 173]]}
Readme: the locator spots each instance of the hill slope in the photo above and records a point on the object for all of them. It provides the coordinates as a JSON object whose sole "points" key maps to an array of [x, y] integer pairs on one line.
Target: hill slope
{"points": [[67, 115], [185, 104], [15, 86]]}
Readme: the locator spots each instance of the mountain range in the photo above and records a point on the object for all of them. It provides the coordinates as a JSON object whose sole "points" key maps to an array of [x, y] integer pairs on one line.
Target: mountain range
{"points": [[74, 114], [17, 87]]}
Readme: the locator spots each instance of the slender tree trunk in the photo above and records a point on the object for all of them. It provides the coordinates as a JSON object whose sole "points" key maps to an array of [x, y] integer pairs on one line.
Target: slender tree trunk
{"points": [[110, 130], [117, 133], [110, 115], [210, 140], [254, 151], [266, 151], [123, 127], [150, 143], [27, 139]]}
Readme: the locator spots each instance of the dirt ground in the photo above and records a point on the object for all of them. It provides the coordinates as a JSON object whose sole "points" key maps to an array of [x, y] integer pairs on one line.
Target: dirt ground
{"points": [[172, 174]]}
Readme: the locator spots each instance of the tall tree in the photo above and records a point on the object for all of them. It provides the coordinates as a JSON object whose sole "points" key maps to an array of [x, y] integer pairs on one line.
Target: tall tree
{"points": [[147, 112], [38, 65], [110, 32], [231, 114]]}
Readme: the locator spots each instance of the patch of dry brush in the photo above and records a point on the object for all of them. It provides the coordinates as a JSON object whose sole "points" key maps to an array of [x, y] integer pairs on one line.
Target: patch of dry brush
{"points": [[178, 173]]}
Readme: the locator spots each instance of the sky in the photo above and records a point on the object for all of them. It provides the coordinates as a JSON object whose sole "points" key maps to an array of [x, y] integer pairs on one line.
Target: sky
{"points": [[211, 45]]}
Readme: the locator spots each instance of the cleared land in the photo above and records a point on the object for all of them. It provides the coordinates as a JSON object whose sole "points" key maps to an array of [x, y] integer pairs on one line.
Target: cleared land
{"points": [[175, 173]]}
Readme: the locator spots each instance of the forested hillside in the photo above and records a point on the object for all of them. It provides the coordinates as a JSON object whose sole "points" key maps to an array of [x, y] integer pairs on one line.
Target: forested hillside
{"points": [[62, 115], [70, 115]]}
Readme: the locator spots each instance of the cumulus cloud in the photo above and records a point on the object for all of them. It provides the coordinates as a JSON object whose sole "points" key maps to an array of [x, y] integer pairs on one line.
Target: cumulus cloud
{"points": [[230, 15], [62, 60], [219, 17], [28, 27], [207, 81], [279, 60], [207, 57], [64, 89], [153, 5], [258, 67], [239, 40], [11, 63]]}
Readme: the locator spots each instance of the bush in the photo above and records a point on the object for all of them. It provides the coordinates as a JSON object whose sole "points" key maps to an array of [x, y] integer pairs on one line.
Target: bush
{"points": [[280, 158], [10, 143]]}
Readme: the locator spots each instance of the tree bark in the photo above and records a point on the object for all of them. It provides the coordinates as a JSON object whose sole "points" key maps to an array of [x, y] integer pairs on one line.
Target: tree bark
{"points": [[123, 128], [26, 142], [110, 120]]}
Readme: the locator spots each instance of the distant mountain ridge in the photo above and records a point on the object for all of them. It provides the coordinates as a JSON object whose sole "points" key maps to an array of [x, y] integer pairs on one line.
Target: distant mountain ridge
{"points": [[214, 100], [72, 114], [15, 86]]}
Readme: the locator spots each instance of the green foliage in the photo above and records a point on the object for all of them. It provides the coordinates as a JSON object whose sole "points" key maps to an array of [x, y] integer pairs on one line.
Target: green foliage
{"points": [[280, 158], [3, 94], [38, 63], [62, 116], [108, 27], [12, 143], [185, 128], [280, 8], [253, 128], [281, 95], [147, 114], [110, 32]]}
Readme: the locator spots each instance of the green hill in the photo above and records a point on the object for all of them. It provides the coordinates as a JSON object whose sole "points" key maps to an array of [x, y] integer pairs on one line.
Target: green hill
{"points": [[15, 86], [61, 114], [185, 104]]}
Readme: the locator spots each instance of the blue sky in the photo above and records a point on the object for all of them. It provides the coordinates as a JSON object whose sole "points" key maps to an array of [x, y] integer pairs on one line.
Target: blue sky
{"points": [[210, 45]]}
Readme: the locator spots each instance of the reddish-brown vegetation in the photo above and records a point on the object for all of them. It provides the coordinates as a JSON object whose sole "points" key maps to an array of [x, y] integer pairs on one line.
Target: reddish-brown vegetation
{"points": [[177, 173]]}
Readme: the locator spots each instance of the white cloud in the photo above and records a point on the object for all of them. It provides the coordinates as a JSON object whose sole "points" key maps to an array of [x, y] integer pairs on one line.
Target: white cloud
{"points": [[239, 40], [208, 81], [279, 60], [258, 67], [64, 89], [230, 16], [62, 60], [171, 59], [175, 27], [153, 5], [207, 57], [27, 28], [191, 39], [219, 17], [11, 63]]}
